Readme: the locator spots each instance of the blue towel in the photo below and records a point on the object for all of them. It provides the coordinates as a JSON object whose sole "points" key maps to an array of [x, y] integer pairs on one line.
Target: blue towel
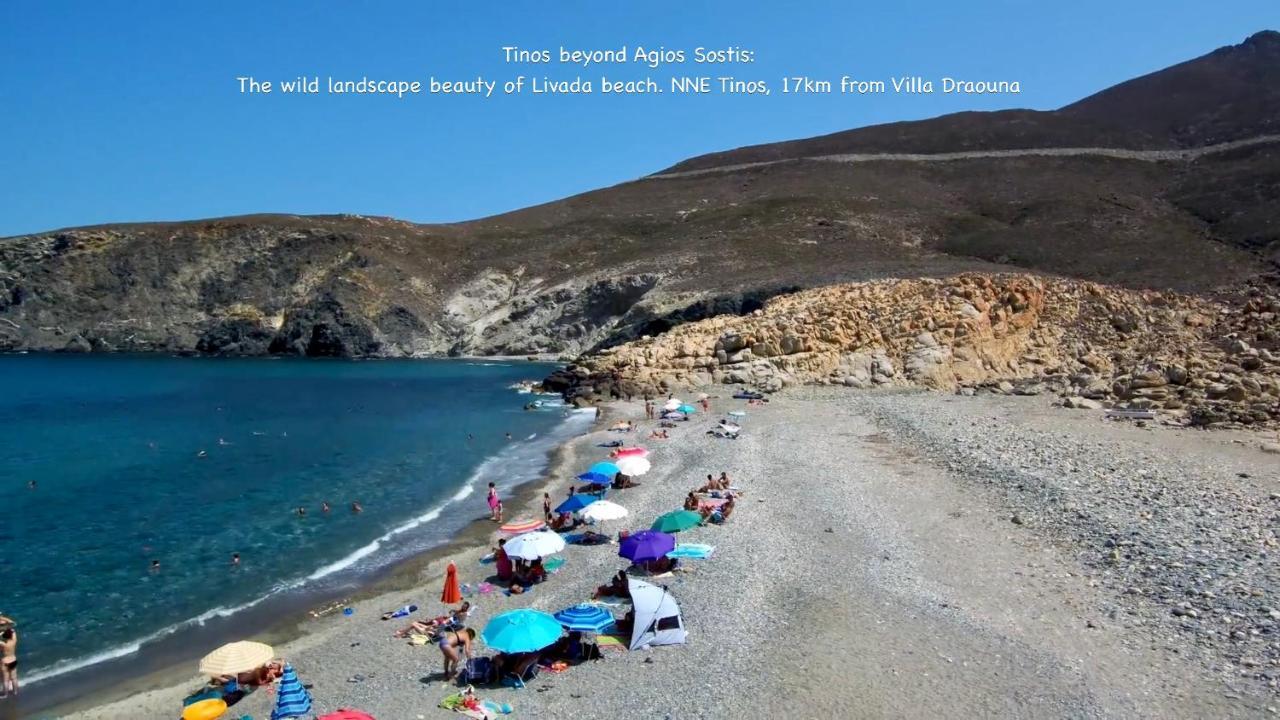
{"points": [[693, 551]]}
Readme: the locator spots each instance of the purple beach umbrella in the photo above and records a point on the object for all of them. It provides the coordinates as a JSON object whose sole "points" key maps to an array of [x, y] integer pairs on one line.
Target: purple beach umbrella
{"points": [[646, 546]]}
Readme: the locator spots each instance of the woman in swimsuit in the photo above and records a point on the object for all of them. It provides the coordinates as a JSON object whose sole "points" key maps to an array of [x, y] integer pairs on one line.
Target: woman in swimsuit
{"points": [[493, 502], [9, 644], [450, 642]]}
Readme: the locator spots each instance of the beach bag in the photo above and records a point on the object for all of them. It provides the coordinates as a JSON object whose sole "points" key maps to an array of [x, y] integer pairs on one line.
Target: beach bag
{"points": [[479, 671]]}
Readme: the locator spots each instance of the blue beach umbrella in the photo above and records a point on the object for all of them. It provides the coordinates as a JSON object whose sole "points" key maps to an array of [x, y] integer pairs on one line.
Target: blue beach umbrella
{"points": [[575, 503], [517, 631], [687, 409], [605, 468], [595, 477], [586, 618], [292, 700]]}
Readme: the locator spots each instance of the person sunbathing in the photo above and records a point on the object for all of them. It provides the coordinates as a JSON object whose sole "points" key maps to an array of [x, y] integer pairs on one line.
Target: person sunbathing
{"points": [[591, 537], [617, 587], [691, 502], [661, 565], [659, 435], [564, 521]]}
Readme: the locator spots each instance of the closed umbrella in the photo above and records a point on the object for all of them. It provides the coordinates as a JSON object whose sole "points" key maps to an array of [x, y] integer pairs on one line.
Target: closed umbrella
{"points": [[575, 503], [452, 593], [633, 466], [534, 545], [517, 631], [604, 468], [292, 700], [586, 618], [602, 510], [647, 545], [235, 658], [677, 520]]}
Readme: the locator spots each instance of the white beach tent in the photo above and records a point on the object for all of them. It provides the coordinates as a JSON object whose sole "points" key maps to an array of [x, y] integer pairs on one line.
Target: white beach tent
{"points": [[658, 620]]}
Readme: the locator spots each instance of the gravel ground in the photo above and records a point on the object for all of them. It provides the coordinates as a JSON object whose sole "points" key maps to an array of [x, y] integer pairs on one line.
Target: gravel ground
{"points": [[859, 577]]}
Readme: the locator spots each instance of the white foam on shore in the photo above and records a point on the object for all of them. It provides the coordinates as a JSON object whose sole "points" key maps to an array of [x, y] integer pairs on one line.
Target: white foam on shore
{"points": [[528, 455]]}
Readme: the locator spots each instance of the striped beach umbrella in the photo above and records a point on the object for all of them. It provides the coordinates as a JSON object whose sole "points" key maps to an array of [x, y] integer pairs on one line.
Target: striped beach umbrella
{"points": [[586, 618], [292, 700]]}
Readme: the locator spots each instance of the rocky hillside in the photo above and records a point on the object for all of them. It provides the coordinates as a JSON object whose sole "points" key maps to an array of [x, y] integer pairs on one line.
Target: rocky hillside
{"points": [[619, 263], [1208, 361]]}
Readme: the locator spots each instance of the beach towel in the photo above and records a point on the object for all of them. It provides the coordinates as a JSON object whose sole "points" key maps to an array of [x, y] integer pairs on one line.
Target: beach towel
{"points": [[695, 551], [611, 642], [552, 564]]}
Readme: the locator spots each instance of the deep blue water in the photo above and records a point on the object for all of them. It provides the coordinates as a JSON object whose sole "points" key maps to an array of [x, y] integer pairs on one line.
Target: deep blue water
{"points": [[113, 445]]}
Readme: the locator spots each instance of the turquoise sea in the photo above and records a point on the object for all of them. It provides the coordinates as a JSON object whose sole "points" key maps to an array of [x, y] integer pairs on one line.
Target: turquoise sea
{"points": [[186, 461]]}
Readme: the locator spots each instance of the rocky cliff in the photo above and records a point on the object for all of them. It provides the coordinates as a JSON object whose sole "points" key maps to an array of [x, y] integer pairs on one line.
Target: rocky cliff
{"points": [[1208, 361]]}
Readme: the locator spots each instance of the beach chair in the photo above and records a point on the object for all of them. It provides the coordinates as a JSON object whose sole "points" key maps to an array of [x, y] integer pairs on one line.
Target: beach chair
{"points": [[518, 679], [479, 671]]}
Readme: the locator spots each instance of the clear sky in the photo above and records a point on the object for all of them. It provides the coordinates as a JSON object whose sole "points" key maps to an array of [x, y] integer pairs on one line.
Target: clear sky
{"points": [[126, 111]]}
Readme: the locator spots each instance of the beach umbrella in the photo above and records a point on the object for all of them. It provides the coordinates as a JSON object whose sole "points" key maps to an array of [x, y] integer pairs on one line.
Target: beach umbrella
{"points": [[633, 466], [677, 520], [517, 527], [595, 477], [292, 700], [647, 545], [703, 396], [604, 468], [586, 618], [687, 409], [235, 658], [347, 714], [575, 503], [452, 593], [629, 452], [534, 545], [672, 404], [517, 631], [602, 510], [737, 414]]}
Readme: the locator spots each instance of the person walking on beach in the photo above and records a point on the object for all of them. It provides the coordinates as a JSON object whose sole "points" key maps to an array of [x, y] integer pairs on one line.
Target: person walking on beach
{"points": [[9, 664], [493, 503], [546, 506]]}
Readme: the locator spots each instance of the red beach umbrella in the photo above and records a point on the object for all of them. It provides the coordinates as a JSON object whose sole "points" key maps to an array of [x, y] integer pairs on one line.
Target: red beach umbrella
{"points": [[345, 714], [452, 593]]}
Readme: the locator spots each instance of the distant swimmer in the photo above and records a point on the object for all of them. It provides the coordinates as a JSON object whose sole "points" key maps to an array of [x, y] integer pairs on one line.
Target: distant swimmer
{"points": [[202, 454], [155, 566], [355, 507], [302, 512], [508, 436], [31, 484], [324, 506], [470, 437], [235, 559], [222, 441], [258, 432]]}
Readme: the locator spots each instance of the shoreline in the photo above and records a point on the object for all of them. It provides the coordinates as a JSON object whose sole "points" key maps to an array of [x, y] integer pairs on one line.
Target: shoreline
{"points": [[295, 621]]}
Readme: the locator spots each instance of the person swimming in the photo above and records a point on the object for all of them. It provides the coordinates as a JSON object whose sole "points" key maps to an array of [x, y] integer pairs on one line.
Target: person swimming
{"points": [[324, 506], [355, 507], [235, 559], [302, 512], [202, 454]]}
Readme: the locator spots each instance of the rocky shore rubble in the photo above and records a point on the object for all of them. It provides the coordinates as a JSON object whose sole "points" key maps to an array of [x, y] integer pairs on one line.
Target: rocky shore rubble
{"points": [[1195, 360]]}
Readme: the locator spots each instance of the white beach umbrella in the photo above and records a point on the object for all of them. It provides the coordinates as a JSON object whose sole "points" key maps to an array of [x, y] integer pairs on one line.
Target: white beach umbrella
{"points": [[633, 466], [235, 658], [602, 510], [531, 546], [672, 404]]}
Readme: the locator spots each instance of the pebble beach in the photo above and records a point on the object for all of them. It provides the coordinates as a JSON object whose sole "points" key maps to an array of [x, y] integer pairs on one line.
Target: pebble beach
{"points": [[893, 555]]}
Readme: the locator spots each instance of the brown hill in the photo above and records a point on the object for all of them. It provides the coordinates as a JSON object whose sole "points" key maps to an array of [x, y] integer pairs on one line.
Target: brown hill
{"points": [[638, 258]]}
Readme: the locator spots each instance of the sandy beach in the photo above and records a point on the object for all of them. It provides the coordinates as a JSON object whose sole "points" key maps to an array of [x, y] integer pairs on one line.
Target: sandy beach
{"points": [[894, 555]]}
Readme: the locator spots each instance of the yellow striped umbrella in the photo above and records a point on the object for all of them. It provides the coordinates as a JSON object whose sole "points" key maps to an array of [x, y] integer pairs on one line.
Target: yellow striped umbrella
{"points": [[235, 658]]}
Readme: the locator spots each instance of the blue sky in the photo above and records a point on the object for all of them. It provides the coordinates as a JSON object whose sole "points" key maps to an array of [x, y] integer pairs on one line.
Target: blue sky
{"points": [[128, 111]]}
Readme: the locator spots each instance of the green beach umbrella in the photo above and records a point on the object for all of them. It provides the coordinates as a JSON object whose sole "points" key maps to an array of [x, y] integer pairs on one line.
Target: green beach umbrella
{"points": [[677, 520]]}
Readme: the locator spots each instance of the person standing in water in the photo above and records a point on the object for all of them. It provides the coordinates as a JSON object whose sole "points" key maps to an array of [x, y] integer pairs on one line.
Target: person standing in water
{"points": [[493, 502], [9, 663]]}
